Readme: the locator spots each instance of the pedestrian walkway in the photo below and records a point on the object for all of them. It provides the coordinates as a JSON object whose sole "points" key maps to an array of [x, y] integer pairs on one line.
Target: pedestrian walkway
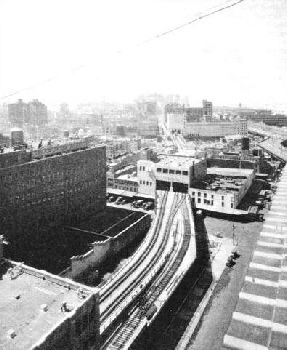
{"points": [[260, 318]]}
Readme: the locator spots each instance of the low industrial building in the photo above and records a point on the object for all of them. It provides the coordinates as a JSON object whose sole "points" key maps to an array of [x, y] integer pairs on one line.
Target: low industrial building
{"points": [[171, 172], [222, 189], [126, 182]]}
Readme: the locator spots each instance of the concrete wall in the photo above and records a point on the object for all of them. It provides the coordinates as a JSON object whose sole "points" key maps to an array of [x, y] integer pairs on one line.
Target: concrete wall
{"points": [[230, 163], [199, 170], [14, 158], [105, 249], [79, 331]]}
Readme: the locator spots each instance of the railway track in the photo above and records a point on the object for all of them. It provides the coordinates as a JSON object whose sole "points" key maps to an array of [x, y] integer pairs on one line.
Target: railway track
{"points": [[127, 333], [129, 282]]}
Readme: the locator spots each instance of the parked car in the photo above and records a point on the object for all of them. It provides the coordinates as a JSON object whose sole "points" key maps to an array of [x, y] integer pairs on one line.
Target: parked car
{"points": [[111, 199], [119, 200], [138, 204], [123, 202], [148, 206]]}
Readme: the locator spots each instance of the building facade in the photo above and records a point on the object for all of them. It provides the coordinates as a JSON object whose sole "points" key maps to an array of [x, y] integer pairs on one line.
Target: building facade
{"points": [[207, 109], [171, 173], [223, 189], [146, 177], [215, 128], [33, 113], [58, 189]]}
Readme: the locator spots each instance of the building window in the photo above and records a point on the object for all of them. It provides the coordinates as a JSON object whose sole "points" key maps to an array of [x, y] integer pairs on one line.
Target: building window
{"points": [[231, 205], [178, 172], [185, 173], [164, 171], [199, 194], [198, 200], [222, 197], [205, 195], [193, 193], [171, 171], [222, 204], [159, 170]]}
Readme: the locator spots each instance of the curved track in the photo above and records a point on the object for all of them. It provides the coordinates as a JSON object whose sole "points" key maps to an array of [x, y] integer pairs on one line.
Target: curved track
{"points": [[176, 233], [141, 268]]}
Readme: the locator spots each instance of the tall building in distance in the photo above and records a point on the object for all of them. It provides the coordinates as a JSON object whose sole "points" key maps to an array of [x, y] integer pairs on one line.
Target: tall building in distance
{"points": [[32, 113], [207, 110]]}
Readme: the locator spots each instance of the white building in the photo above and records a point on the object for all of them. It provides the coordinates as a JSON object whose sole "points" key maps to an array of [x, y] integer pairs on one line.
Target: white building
{"points": [[223, 189], [177, 121], [171, 173], [146, 177]]}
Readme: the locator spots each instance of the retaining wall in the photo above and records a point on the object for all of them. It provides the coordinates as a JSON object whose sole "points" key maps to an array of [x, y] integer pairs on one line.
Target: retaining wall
{"points": [[103, 250]]}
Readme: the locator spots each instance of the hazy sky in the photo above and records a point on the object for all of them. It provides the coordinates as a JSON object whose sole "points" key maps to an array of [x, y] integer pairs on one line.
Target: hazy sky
{"points": [[237, 55]]}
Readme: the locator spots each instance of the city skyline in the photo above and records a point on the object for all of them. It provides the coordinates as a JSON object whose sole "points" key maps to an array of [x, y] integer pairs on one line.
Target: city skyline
{"points": [[78, 52]]}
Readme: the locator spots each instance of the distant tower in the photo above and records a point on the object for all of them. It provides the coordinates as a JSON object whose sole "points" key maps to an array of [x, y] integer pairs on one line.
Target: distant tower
{"points": [[207, 109]]}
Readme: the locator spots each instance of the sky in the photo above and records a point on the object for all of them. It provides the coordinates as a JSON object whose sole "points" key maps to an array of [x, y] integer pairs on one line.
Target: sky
{"points": [[88, 50]]}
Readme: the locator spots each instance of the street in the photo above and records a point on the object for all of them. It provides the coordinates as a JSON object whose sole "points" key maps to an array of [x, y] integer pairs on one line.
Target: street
{"points": [[217, 316]]}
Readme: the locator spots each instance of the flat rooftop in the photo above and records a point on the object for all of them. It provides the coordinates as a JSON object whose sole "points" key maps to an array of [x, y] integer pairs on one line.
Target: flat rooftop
{"points": [[23, 321], [220, 183], [177, 162], [127, 177], [233, 172]]}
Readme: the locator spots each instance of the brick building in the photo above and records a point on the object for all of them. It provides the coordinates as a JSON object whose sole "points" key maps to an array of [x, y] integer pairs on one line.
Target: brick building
{"points": [[59, 188], [32, 113]]}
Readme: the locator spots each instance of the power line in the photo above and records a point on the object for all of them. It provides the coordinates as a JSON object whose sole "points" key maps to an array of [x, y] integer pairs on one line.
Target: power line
{"points": [[210, 12]]}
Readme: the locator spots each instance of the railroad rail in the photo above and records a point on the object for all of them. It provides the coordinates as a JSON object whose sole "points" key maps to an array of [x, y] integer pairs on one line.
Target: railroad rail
{"points": [[176, 241], [119, 292]]}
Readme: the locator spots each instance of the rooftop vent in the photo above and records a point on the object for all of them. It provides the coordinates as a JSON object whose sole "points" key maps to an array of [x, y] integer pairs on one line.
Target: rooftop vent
{"points": [[44, 307], [11, 333]]}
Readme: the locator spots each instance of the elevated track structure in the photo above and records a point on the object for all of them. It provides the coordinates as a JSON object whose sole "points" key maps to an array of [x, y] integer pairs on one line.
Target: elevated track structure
{"points": [[141, 287]]}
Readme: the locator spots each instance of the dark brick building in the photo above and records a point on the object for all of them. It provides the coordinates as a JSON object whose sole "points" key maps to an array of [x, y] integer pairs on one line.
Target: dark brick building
{"points": [[58, 189], [33, 113]]}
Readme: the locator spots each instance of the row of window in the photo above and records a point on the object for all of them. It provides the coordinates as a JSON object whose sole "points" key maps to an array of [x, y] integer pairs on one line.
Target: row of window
{"points": [[33, 198], [210, 202], [143, 182], [41, 175], [171, 171], [126, 188], [204, 195]]}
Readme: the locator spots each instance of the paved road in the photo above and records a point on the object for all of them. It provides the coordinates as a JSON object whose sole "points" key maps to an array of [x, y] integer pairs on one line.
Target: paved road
{"points": [[218, 313]]}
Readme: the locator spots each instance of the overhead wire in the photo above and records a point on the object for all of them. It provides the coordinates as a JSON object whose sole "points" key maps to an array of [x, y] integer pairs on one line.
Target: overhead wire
{"points": [[207, 13]]}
